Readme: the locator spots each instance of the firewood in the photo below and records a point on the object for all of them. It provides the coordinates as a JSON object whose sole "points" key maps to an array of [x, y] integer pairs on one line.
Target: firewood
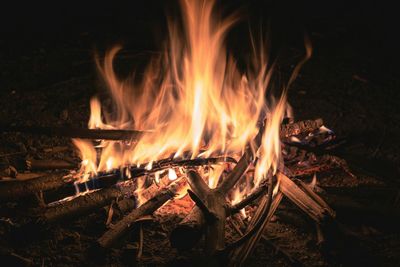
{"points": [[18, 189], [257, 224], [249, 199], [299, 127], [35, 164], [302, 199], [81, 205], [72, 132], [213, 210], [117, 134], [192, 226], [317, 198], [123, 226]]}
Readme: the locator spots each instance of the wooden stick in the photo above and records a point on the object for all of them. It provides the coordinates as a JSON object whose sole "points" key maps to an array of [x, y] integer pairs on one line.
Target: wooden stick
{"points": [[197, 184], [35, 164], [301, 199], [320, 235], [122, 227], [117, 134], [244, 251], [208, 215], [18, 189], [72, 132], [140, 248], [215, 229], [81, 205], [248, 200]]}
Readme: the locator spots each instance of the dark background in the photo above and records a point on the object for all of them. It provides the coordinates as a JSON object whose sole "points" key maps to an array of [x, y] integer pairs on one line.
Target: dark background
{"points": [[47, 76]]}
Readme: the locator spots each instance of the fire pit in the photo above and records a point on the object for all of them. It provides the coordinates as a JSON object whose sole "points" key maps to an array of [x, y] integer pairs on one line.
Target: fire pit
{"points": [[195, 140]]}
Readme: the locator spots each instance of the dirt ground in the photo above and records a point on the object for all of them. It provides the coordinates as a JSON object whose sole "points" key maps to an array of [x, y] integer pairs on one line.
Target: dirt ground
{"points": [[351, 81]]}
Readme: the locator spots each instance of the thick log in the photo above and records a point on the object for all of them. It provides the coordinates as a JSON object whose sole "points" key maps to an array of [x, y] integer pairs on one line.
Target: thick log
{"points": [[317, 198], [215, 229], [18, 189], [72, 132], [54, 164], [84, 204], [123, 226], [197, 184], [192, 227]]}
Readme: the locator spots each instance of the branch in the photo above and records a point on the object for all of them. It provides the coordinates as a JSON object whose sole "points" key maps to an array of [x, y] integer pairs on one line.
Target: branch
{"points": [[122, 227], [248, 200], [72, 132]]}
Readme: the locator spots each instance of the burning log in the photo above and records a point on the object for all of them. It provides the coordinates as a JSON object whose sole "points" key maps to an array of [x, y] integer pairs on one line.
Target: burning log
{"points": [[85, 204], [192, 225], [249, 199], [209, 214], [75, 132], [117, 134], [123, 226], [18, 189]]}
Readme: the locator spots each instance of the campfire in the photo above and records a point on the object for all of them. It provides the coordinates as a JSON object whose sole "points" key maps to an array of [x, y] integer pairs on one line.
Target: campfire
{"points": [[196, 129]]}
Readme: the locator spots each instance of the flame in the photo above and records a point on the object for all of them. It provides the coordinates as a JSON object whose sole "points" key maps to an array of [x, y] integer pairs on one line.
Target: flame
{"points": [[270, 150], [313, 183], [172, 175], [276, 188], [193, 98], [88, 156], [236, 197]]}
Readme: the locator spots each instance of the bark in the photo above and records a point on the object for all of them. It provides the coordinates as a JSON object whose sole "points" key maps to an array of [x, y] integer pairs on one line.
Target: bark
{"points": [[122, 227], [35, 164], [18, 189], [72, 132], [81, 205]]}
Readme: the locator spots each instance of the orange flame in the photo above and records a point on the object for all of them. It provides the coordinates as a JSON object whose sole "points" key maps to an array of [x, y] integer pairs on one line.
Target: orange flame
{"points": [[192, 98], [200, 101]]}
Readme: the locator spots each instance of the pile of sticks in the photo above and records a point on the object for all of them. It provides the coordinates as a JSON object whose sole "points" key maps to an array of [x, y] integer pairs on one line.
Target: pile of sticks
{"points": [[209, 215]]}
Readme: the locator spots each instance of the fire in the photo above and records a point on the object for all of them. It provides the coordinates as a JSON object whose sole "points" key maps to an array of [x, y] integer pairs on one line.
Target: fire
{"points": [[193, 100]]}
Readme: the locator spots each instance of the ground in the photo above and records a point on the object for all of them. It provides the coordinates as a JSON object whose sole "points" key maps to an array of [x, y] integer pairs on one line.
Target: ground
{"points": [[351, 82]]}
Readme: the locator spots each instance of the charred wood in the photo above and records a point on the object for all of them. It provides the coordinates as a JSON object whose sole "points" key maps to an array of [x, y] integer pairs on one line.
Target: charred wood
{"points": [[302, 199], [256, 227], [83, 205], [297, 128], [123, 226], [71, 132]]}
